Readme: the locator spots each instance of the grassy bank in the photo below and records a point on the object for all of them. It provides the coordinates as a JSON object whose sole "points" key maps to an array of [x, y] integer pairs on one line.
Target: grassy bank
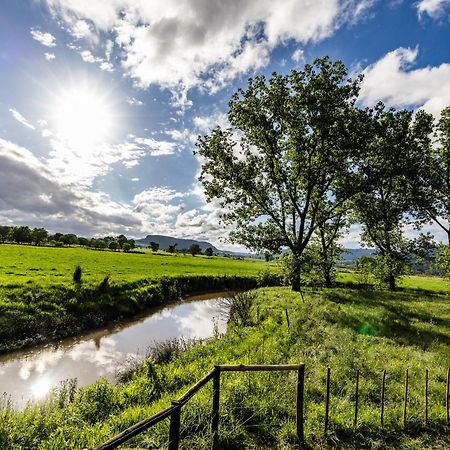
{"points": [[39, 301], [340, 328]]}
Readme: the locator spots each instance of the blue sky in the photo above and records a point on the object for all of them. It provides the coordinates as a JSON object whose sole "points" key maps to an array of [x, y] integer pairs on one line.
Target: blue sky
{"points": [[101, 100]]}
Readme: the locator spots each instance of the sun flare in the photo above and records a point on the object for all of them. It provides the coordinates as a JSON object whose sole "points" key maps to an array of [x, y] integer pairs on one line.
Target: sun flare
{"points": [[82, 118]]}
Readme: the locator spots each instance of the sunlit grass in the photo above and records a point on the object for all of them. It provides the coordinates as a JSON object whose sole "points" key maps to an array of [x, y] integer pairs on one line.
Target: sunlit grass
{"points": [[339, 328]]}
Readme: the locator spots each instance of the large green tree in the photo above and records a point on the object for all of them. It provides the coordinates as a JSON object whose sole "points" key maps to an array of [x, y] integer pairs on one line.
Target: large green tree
{"points": [[388, 169], [284, 164], [432, 191]]}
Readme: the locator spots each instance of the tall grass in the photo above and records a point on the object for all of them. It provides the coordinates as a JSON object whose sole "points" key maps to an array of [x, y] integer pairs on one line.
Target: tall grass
{"points": [[341, 329]]}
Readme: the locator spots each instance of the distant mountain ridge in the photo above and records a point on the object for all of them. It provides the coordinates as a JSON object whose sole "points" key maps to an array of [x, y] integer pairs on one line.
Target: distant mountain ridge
{"points": [[348, 257], [166, 241]]}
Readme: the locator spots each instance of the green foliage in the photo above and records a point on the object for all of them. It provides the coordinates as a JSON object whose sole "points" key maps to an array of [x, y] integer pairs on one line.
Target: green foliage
{"points": [[209, 251], [391, 162], [291, 168], [154, 246], [442, 262], [126, 247], [342, 329], [194, 249], [77, 274]]}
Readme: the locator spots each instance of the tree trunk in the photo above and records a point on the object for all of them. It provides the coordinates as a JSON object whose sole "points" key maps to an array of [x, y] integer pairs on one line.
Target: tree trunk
{"points": [[392, 283], [295, 275], [327, 275], [295, 282]]}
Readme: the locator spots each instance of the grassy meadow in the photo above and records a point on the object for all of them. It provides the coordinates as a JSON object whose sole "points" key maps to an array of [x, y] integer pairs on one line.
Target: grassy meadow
{"points": [[344, 329], [49, 266], [40, 302]]}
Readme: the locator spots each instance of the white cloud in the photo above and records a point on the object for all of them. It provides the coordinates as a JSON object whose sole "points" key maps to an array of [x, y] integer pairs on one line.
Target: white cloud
{"points": [[31, 193], [46, 39], [21, 119], [107, 66], [134, 101], [393, 80], [433, 8], [157, 194], [49, 56], [157, 148], [81, 29], [181, 44], [88, 57], [298, 55]]}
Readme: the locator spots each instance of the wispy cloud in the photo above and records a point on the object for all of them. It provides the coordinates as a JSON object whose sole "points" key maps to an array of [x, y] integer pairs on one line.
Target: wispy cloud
{"points": [[49, 56], [16, 114]]}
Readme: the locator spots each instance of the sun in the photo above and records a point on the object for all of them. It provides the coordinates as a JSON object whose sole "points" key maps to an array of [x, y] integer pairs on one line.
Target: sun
{"points": [[83, 118]]}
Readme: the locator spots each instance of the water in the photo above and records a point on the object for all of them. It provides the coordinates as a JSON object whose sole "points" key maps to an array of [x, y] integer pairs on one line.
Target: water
{"points": [[29, 375]]}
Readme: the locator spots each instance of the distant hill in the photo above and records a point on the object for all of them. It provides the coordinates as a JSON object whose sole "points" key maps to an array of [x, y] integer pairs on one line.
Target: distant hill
{"points": [[165, 241], [350, 255]]}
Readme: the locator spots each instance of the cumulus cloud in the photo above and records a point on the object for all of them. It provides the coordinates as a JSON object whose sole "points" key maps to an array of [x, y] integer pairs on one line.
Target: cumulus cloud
{"points": [[46, 39], [432, 8], [395, 81], [157, 194], [202, 43], [21, 119], [31, 194], [298, 55]]}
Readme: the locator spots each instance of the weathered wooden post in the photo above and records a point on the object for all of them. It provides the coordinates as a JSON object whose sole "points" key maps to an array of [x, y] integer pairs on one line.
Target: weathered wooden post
{"points": [[174, 430], [215, 408], [356, 399], [383, 386], [300, 403], [426, 397], [447, 393], [327, 400], [405, 405]]}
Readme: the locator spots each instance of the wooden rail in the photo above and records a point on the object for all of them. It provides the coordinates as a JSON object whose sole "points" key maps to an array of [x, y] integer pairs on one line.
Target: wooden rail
{"points": [[174, 410]]}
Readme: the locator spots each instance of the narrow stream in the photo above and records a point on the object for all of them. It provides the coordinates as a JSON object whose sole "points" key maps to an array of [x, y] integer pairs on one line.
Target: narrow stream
{"points": [[29, 375]]}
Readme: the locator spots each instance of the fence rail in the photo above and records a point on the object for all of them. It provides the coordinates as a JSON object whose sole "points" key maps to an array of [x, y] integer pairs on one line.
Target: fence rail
{"points": [[174, 411]]}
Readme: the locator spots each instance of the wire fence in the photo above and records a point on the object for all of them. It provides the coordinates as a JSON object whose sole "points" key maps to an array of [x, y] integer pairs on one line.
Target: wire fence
{"points": [[204, 416]]}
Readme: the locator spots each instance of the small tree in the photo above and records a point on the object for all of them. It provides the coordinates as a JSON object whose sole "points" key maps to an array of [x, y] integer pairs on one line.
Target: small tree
{"points": [[195, 249], [20, 234], [4, 233], [126, 247], [39, 235], [113, 245], [172, 248], [69, 239], [209, 251], [77, 276], [154, 246]]}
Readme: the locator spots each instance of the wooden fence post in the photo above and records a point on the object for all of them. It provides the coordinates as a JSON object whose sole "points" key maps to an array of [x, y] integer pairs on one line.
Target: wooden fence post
{"points": [[356, 399], [426, 397], [383, 387], [287, 318], [300, 403], [327, 400], [447, 395], [174, 430], [405, 405], [215, 408]]}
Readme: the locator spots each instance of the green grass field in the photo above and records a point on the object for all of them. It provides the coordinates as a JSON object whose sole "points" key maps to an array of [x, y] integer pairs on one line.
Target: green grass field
{"points": [[344, 329], [22, 264], [39, 301]]}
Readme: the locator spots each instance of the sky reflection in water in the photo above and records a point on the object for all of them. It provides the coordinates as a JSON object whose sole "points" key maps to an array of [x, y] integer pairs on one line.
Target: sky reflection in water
{"points": [[31, 374]]}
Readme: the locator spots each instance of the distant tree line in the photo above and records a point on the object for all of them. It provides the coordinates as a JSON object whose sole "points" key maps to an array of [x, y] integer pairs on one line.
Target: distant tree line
{"points": [[194, 249], [40, 236]]}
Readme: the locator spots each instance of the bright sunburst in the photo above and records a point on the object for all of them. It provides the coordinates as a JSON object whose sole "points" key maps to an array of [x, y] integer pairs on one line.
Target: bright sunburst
{"points": [[82, 117]]}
